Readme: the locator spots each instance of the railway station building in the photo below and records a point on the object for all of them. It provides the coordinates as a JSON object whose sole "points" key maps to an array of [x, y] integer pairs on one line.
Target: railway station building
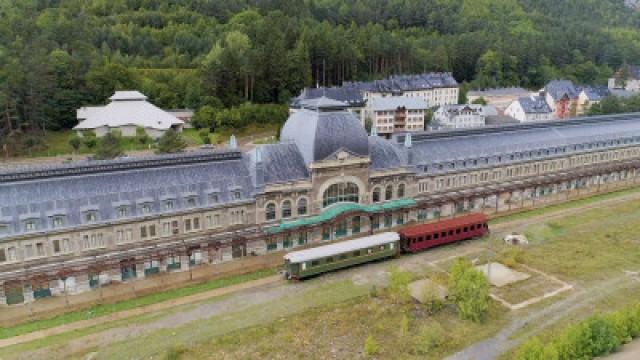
{"points": [[72, 228]]}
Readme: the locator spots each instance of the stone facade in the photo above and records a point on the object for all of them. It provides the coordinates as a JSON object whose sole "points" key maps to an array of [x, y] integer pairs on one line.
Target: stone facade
{"points": [[331, 198]]}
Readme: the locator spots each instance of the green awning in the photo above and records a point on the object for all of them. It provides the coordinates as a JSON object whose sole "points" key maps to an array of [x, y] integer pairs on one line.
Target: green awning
{"points": [[339, 209]]}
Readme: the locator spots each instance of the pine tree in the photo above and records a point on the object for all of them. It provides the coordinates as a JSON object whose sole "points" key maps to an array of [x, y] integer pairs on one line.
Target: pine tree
{"points": [[110, 146], [171, 142]]}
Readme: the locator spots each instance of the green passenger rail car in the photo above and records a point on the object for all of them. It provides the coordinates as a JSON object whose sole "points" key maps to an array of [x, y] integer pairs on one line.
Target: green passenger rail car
{"points": [[309, 262]]}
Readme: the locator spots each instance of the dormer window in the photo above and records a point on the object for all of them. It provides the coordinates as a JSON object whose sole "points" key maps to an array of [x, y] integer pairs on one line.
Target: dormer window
{"points": [[57, 221], [168, 204], [236, 195], [123, 212], [90, 216], [4, 229], [192, 201], [214, 198], [145, 208], [30, 225]]}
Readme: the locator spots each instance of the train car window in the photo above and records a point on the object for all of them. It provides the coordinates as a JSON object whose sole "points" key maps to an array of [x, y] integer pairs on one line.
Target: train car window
{"points": [[436, 235], [486, 226], [369, 251], [458, 231], [466, 229], [428, 237], [356, 253], [329, 259], [450, 232], [314, 263], [343, 256], [381, 247], [472, 227]]}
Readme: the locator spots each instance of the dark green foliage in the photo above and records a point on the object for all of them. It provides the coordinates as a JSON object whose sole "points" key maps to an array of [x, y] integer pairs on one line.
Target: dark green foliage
{"points": [[204, 118], [171, 142], [109, 146], [56, 56], [616, 105], [204, 136], [75, 142], [480, 101], [141, 136], [89, 139]]}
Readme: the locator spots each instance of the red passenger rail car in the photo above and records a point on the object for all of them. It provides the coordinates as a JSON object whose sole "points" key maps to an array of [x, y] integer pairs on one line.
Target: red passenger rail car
{"points": [[424, 236]]}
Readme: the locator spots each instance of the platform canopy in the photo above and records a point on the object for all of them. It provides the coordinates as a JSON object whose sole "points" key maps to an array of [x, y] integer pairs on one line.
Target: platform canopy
{"points": [[339, 209]]}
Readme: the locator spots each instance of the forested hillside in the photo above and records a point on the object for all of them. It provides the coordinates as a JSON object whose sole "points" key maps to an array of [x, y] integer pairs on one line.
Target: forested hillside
{"points": [[56, 55]]}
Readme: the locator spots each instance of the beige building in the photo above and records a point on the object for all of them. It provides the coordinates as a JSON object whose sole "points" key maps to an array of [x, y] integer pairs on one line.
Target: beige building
{"points": [[395, 114], [68, 229]]}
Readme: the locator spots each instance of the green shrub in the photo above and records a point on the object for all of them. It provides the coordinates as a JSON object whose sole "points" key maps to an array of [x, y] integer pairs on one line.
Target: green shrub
{"points": [[371, 346], [398, 285], [511, 256], [469, 289], [431, 337], [404, 325]]}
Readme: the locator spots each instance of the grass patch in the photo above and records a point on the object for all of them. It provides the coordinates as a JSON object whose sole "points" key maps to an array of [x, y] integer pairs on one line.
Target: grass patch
{"points": [[105, 309], [563, 206], [332, 319], [268, 312], [56, 143], [342, 330]]}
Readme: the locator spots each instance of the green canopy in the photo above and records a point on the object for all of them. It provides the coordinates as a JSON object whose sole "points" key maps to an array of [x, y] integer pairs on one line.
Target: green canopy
{"points": [[339, 209]]}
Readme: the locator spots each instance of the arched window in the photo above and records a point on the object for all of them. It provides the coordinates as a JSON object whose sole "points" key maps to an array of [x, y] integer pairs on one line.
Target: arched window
{"points": [[270, 213], [343, 192], [401, 191], [388, 193], [302, 206], [376, 195], [286, 209]]}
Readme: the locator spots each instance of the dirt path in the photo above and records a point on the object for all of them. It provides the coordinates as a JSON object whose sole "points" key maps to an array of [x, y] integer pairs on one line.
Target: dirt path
{"points": [[265, 290], [628, 352]]}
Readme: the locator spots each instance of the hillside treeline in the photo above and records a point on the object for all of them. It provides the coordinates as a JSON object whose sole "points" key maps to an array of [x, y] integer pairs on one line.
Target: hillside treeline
{"points": [[56, 55]]}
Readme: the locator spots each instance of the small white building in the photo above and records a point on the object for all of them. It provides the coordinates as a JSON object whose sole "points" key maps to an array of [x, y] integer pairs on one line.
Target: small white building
{"points": [[127, 111], [626, 78], [530, 109], [460, 116], [396, 114]]}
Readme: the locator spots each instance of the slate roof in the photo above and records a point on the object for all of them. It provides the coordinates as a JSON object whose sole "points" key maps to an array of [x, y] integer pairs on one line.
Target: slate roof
{"points": [[386, 155], [394, 102], [107, 189], [595, 93], [318, 134], [126, 108], [534, 105], [280, 163], [352, 97], [559, 88], [444, 147]]}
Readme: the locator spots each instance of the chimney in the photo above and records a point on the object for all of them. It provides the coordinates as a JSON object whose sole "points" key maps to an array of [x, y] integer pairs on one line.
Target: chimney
{"points": [[259, 168], [233, 143]]}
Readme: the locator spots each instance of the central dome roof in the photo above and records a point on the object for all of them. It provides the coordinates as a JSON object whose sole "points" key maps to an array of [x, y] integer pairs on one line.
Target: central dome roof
{"points": [[322, 128]]}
